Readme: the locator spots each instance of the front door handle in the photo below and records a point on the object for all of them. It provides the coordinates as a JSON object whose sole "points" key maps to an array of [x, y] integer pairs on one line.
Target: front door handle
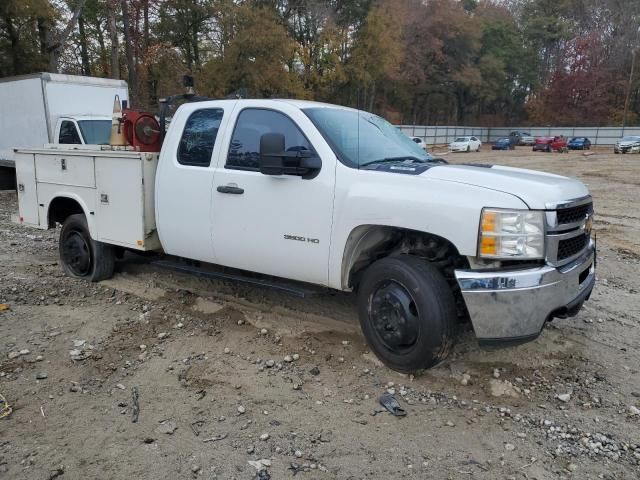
{"points": [[230, 189]]}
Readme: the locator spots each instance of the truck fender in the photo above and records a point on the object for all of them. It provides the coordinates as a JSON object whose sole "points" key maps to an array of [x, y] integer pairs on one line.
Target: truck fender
{"points": [[368, 243], [65, 204]]}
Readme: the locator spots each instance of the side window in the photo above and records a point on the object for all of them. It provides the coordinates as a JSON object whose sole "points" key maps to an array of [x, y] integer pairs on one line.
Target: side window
{"points": [[69, 133], [199, 137], [244, 151]]}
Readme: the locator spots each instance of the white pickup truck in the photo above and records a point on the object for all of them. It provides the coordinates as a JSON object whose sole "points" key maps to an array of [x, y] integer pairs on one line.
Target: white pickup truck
{"points": [[335, 197]]}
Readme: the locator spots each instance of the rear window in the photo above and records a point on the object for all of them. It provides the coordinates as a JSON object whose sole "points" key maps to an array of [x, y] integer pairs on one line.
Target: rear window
{"points": [[199, 137]]}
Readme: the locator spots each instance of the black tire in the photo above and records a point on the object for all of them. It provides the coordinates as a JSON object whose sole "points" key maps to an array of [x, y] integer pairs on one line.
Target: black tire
{"points": [[548, 149], [81, 256], [407, 313], [468, 148]]}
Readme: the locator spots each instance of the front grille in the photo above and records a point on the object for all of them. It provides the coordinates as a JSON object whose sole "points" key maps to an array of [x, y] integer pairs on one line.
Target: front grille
{"points": [[571, 246], [574, 214]]}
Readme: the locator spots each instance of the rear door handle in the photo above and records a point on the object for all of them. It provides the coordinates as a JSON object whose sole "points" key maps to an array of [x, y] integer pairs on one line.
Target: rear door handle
{"points": [[230, 189]]}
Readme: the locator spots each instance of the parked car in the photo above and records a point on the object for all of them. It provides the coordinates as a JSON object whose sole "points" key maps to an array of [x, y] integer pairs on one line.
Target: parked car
{"points": [[629, 144], [504, 143], [465, 144], [419, 141], [550, 144], [579, 143], [522, 138], [423, 243]]}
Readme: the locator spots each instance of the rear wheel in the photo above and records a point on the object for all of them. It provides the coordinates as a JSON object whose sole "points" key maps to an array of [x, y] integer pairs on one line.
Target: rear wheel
{"points": [[407, 313], [468, 148], [548, 149], [81, 256]]}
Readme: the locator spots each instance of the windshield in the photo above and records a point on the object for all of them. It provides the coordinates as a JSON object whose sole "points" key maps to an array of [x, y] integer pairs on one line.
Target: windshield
{"points": [[360, 138], [95, 132], [462, 139], [631, 139]]}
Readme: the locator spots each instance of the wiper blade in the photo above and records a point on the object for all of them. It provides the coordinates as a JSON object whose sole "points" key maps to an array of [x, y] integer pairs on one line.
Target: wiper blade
{"points": [[397, 159]]}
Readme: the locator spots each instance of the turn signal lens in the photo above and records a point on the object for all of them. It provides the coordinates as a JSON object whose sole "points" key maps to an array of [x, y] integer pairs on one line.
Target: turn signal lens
{"points": [[489, 222], [488, 246]]}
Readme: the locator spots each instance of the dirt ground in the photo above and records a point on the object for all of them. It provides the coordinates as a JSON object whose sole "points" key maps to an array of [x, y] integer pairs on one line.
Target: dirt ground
{"points": [[228, 374]]}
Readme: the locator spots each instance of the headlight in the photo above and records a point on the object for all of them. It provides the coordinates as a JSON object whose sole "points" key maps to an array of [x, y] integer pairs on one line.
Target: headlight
{"points": [[511, 234]]}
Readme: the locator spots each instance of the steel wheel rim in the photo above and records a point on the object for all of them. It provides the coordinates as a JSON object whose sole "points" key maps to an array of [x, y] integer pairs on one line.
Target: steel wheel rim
{"points": [[394, 316], [76, 253]]}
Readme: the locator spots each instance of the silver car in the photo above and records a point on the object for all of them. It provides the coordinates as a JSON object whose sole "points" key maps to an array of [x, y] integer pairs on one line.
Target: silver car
{"points": [[630, 144], [523, 138]]}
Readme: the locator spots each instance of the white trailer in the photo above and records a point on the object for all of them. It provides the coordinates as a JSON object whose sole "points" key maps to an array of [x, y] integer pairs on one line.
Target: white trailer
{"points": [[47, 108]]}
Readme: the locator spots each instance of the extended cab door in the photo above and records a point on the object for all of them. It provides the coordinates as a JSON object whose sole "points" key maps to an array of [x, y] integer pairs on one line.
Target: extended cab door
{"points": [[184, 179], [276, 225]]}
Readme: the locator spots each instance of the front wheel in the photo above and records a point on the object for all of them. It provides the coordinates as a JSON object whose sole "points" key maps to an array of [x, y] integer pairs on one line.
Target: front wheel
{"points": [[468, 148], [81, 256], [407, 313]]}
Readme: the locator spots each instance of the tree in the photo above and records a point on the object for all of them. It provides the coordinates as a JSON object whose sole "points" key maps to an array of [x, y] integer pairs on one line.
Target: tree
{"points": [[22, 48], [256, 57], [377, 51]]}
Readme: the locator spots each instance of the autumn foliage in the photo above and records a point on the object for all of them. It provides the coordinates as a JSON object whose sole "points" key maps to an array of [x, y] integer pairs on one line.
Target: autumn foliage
{"points": [[545, 62]]}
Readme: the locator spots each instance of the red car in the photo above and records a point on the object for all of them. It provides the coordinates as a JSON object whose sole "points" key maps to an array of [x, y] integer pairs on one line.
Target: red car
{"points": [[549, 144]]}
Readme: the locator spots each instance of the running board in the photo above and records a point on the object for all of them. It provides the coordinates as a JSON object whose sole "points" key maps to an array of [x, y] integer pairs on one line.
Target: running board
{"points": [[301, 290]]}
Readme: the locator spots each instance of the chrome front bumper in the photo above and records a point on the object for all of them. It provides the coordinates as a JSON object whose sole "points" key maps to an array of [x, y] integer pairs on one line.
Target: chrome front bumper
{"points": [[512, 306]]}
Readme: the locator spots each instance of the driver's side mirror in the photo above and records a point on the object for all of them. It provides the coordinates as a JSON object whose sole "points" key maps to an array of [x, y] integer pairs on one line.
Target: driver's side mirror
{"points": [[271, 144], [275, 160]]}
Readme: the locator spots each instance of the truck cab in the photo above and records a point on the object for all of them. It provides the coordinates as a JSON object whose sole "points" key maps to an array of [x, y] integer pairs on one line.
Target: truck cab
{"points": [[336, 197], [82, 130]]}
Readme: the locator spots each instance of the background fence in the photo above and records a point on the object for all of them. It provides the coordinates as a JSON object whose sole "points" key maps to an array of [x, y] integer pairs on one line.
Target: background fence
{"points": [[441, 135]]}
